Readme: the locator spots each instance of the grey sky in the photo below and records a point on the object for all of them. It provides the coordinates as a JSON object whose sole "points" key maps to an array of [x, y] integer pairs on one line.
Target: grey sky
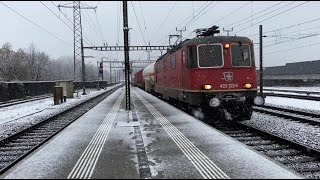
{"points": [[157, 22]]}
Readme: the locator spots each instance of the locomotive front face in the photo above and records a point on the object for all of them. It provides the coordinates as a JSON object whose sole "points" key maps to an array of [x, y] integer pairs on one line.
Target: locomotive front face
{"points": [[225, 66], [225, 76]]}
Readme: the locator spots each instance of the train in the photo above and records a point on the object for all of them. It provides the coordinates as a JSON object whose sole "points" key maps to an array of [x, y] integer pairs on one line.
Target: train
{"points": [[212, 75]]}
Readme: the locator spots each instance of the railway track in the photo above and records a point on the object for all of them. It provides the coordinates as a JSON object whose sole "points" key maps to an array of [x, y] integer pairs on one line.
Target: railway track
{"points": [[298, 157], [292, 91], [16, 147], [306, 95], [24, 100], [303, 117]]}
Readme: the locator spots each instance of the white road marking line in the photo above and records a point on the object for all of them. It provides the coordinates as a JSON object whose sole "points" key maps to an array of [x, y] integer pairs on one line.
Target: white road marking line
{"points": [[202, 163], [88, 160]]}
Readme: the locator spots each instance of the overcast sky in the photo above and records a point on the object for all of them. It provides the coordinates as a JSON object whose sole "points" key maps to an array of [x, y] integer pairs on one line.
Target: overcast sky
{"points": [[288, 25]]}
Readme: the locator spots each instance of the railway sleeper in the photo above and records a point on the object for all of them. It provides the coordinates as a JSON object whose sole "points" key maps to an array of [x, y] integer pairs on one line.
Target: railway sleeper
{"points": [[23, 148], [241, 135], [303, 160], [8, 158], [33, 137], [261, 148], [27, 140], [12, 153], [283, 153], [257, 143], [248, 138], [27, 144], [234, 131]]}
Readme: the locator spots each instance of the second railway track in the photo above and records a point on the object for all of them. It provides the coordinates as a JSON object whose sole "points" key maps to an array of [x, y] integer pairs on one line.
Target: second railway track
{"points": [[19, 145]]}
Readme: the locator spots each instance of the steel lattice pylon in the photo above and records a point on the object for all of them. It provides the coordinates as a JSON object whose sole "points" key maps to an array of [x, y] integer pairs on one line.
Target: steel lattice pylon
{"points": [[77, 34]]}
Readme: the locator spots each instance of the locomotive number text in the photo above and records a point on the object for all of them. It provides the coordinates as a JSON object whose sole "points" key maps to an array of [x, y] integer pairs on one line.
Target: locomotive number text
{"points": [[224, 86]]}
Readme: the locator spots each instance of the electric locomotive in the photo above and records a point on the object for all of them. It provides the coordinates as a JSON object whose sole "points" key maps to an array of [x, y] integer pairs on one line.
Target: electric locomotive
{"points": [[213, 75]]}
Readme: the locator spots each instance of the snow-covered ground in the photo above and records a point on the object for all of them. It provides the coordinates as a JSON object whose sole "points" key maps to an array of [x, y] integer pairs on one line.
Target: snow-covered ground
{"points": [[16, 117], [302, 133]]}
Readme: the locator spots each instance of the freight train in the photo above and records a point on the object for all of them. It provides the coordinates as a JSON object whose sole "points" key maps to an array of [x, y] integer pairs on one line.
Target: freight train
{"points": [[213, 75]]}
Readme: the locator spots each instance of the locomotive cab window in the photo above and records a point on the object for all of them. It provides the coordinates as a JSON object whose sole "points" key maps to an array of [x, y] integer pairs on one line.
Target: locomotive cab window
{"points": [[240, 55], [210, 55], [192, 57]]}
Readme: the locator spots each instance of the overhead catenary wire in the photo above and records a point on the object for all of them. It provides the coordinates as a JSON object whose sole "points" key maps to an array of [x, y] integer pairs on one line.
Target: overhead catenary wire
{"points": [[288, 27], [138, 23], [84, 33], [273, 16], [292, 48], [36, 24], [230, 13], [167, 15], [254, 14], [265, 14], [192, 16], [56, 15]]}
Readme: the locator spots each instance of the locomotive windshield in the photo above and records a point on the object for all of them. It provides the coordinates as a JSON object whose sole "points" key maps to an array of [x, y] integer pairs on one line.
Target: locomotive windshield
{"points": [[240, 54], [210, 55]]}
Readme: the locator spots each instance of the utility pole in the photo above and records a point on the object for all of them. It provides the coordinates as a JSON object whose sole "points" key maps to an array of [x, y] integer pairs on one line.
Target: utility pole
{"points": [[126, 54], [102, 74], [110, 73], [78, 42], [230, 30], [148, 51], [261, 55], [180, 30]]}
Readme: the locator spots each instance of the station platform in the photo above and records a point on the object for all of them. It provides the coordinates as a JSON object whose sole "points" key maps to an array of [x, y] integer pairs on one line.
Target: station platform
{"points": [[156, 141]]}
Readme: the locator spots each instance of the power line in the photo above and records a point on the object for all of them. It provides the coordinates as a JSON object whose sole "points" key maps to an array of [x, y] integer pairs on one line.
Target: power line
{"points": [[85, 35], [62, 13], [56, 16], [192, 20], [273, 16], [265, 14], [232, 12], [180, 23], [36, 24], [288, 27], [295, 39], [197, 15], [167, 15], [254, 14], [72, 24], [138, 23], [145, 27], [93, 27], [292, 48]]}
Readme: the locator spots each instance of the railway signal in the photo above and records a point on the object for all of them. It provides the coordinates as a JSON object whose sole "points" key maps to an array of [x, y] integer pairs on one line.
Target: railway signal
{"points": [[101, 68]]}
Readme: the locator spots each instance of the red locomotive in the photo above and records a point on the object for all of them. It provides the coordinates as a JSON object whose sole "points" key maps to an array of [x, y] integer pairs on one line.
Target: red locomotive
{"points": [[212, 74]]}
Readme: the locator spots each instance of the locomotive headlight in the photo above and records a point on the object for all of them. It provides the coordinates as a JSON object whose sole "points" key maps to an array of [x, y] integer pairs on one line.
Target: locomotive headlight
{"points": [[214, 102], [247, 86], [226, 46], [207, 86]]}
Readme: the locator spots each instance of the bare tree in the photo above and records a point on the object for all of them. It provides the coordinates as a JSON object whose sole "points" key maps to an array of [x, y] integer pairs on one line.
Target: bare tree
{"points": [[6, 53], [19, 62], [37, 63]]}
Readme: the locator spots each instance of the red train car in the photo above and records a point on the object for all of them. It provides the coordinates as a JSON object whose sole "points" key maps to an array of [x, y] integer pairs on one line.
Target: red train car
{"points": [[214, 74], [138, 79]]}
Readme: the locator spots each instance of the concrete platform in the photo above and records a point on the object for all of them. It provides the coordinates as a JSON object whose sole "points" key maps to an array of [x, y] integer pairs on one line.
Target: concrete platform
{"points": [[155, 141]]}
